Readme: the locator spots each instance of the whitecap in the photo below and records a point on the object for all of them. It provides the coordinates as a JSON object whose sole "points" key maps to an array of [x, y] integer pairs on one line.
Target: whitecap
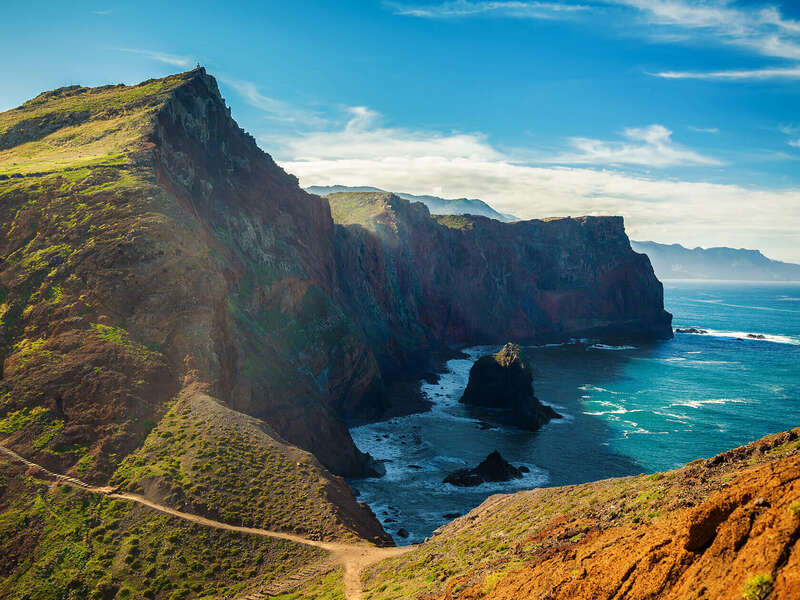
{"points": [[768, 308], [588, 387], [607, 347], [700, 403], [749, 336]]}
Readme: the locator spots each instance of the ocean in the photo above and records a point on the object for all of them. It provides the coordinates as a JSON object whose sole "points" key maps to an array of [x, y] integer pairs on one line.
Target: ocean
{"points": [[627, 409]]}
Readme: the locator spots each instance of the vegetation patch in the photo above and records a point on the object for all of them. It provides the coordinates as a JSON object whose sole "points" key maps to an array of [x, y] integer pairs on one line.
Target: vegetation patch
{"points": [[20, 419], [80, 545], [758, 587], [203, 457], [461, 222], [121, 337], [328, 587]]}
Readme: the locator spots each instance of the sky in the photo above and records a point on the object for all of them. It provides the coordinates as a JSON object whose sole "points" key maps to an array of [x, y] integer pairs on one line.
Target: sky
{"points": [[684, 117]]}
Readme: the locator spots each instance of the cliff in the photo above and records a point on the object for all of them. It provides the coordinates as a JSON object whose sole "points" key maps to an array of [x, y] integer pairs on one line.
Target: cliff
{"points": [[675, 261], [419, 281], [725, 527], [165, 286]]}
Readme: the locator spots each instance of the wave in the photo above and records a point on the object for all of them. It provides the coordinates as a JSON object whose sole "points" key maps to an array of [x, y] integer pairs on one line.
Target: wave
{"points": [[700, 403], [747, 335], [588, 387], [641, 431], [769, 308], [670, 415], [607, 347]]}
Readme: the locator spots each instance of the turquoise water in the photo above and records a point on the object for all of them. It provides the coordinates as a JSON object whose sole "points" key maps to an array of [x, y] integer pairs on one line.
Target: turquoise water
{"points": [[627, 409]]}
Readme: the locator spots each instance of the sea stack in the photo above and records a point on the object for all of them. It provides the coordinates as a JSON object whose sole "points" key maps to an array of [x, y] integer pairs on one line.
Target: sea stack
{"points": [[504, 380]]}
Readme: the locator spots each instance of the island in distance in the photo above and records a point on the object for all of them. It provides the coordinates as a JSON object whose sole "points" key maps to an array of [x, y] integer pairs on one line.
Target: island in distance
{"points": [[504, 381], [673, 261]]}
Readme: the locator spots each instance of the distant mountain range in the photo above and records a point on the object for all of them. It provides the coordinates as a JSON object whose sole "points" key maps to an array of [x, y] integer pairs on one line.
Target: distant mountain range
{"points": [[673, 261], [437, 206]]}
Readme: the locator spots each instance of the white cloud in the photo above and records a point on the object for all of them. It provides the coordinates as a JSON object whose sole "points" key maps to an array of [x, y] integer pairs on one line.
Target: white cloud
{"points": [[464, 8], [274, 109], [760, 29], [650, 146], [363, 137], [171, 59], [790, 130], [766, 73], [102, 13], [704, 129], [466, 165]]}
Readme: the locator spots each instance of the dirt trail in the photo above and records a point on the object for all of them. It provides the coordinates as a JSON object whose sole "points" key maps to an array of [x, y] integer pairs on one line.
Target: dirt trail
{"points": [[352, 556]]}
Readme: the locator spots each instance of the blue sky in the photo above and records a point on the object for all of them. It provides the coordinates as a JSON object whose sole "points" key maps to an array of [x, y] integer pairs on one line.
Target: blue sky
{"points": [[684, 117]]}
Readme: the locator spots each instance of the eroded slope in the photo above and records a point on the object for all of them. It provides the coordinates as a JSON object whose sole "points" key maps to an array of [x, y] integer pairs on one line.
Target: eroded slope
{"points": [[713, 529]]}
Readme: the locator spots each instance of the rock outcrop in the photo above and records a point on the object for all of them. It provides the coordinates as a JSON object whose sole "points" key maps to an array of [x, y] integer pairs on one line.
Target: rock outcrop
{"points": [[493, 468], [504, 380]]}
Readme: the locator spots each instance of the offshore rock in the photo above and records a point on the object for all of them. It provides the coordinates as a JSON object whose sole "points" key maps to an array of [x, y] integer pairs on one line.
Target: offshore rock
{"points": [[493, 468], [504, 381]]}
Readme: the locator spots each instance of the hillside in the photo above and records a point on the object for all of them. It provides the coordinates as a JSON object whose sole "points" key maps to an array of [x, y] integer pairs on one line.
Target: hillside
{"points": [[435, 204], [673, 261], [143, 270], [726, 527]]}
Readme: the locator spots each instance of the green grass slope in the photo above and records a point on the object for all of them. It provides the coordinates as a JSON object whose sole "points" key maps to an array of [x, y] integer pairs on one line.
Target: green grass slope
{"points": [[63, 544], [207, 459]]}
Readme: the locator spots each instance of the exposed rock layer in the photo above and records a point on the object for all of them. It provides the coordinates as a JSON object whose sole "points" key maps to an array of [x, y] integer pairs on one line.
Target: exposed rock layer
{"points": [[417, 281]]}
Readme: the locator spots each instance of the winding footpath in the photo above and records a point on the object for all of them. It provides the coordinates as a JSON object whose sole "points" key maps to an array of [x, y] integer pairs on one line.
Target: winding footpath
{"points": [[352, 556]]}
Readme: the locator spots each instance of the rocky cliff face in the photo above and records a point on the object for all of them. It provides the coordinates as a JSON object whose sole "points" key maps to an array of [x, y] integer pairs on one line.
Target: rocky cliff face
{"points": [[417, 281], [149, 251]]}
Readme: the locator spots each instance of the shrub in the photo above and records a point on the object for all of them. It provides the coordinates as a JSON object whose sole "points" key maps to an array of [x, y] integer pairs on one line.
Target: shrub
{"points": [[758, 587]]}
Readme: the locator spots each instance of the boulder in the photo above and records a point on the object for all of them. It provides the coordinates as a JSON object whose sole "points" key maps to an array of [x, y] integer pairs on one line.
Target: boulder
{"points": [[493, 468], [504, 381]]}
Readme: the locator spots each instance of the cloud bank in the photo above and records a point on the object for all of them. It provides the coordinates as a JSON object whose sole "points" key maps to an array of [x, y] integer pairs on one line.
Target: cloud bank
{"points": [[467, 165]]}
